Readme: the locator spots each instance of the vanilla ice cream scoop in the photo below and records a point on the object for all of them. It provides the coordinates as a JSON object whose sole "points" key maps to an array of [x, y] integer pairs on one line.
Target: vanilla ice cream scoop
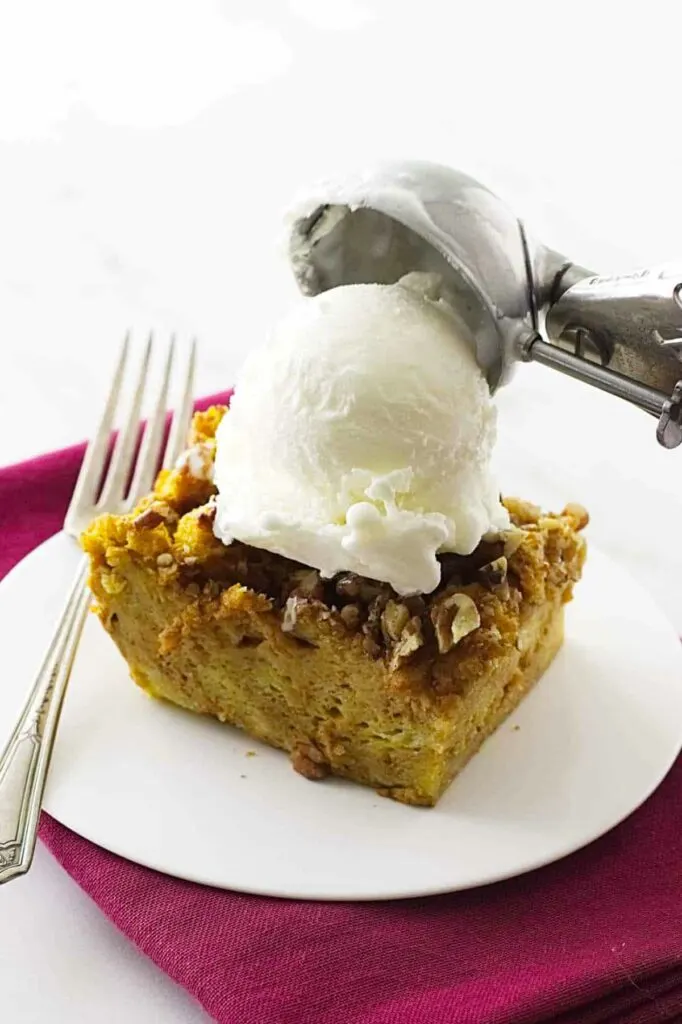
{"points": [[359, 438]]}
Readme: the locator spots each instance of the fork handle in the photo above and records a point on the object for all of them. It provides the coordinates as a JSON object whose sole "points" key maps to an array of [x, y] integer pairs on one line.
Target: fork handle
{"points": [[25, 759]]}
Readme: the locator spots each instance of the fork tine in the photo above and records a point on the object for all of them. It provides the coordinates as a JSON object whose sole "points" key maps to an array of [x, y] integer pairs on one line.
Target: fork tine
{"points": [[90, 474], [177, 437], [124, 451], [150, 449]]}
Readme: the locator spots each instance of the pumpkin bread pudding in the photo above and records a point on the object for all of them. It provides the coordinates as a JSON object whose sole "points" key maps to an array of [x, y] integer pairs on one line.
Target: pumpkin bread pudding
{"points": [[344, 674]]}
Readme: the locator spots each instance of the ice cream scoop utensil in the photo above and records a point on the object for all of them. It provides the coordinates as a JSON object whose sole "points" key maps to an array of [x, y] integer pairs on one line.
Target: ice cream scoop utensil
{"points": [[521, 300]]}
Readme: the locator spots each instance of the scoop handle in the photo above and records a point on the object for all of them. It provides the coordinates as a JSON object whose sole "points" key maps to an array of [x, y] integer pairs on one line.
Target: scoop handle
{"points": [[631, 323], [622, 334]]}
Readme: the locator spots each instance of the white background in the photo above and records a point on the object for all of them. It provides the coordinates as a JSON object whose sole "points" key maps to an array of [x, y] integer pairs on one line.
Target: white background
{"points": [[146, 152]]}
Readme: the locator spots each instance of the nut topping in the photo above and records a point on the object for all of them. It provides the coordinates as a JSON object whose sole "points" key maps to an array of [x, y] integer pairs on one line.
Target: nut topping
{"points": [[401, 632], [155, 514], [466, 619], [355, 587], [372, 628], [454, 618], [494, 575], [351, 616], [409, 642], [394, 618]]}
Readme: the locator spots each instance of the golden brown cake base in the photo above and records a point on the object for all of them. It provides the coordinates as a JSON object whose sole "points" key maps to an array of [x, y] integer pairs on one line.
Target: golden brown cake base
{"points": [[345, 675]]}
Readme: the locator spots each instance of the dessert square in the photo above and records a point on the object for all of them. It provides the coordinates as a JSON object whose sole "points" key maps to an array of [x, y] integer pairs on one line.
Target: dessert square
{"points": [[345, 675]]}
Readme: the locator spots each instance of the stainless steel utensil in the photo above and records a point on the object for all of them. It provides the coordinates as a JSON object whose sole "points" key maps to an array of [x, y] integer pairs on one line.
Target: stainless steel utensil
{"points": [[102, 486], [521, 300]]}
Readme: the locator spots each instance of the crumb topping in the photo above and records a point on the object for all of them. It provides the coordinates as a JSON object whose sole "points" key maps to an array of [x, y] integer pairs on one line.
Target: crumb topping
{"points": [[474, 611]]}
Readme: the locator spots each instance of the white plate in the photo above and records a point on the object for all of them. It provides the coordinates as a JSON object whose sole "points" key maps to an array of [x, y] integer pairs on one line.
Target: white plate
{"points": [[185, 795]]}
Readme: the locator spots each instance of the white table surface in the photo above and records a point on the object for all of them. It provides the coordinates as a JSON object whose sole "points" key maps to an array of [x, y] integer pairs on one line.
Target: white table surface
{"points": [[146, 151]]}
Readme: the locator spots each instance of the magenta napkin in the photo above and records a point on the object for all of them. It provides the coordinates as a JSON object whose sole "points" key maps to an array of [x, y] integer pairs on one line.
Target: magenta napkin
{"points": [[595, 938]]}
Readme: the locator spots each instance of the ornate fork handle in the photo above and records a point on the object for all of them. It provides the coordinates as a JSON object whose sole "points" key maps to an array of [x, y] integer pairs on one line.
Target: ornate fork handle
{"points": [[26, 758]]}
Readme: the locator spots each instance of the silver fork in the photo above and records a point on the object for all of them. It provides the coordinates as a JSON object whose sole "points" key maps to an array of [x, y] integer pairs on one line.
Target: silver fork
{"points": [[26, 758]]}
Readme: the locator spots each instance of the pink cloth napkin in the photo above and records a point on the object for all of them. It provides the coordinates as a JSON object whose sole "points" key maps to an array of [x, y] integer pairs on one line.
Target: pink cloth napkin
{"points": [[595, 938]]}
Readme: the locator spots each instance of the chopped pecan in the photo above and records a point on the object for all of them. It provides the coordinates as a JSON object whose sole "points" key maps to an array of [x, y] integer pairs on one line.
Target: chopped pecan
{"points": [[308, 761], [375, 610], [454, 617], [372, 626], [155, 514], [303, 628], [494, 575], [441, 617], [410, 640], [394, 618], [357, 588], [351, 615], [466, 619]]}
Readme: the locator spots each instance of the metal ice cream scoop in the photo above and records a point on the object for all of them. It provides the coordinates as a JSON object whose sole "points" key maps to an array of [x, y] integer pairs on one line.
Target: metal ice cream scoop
{"points": [[521, 300]]}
